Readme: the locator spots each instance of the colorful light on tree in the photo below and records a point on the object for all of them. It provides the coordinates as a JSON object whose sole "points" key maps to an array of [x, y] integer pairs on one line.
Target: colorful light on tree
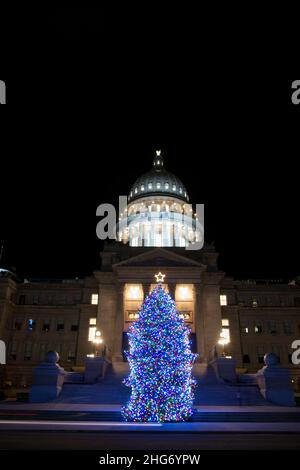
{"points": [[161, 362]]}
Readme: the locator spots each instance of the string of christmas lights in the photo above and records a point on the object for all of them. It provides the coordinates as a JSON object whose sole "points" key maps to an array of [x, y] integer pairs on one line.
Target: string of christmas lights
{"points": [[161, 362]]}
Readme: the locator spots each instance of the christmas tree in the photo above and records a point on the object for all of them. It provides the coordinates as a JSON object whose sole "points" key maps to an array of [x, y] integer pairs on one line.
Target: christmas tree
{"points": [[161, 362]]}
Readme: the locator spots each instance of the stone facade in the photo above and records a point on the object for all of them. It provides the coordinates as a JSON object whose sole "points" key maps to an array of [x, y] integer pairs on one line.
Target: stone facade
{"points": [[38, 316]]}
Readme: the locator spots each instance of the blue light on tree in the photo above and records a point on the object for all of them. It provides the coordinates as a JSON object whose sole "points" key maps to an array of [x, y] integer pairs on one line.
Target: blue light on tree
{"points": [[161, 362]]}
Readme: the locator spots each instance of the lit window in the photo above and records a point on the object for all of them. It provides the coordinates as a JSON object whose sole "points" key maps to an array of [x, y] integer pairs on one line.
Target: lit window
{"points": [[174, 187], [31, 325], [158, 185], [225, 334], [142, 188], [223, 300], [258, 328], [134, 292], [254, 303], [136, 190], [95, 299], [150, 186], [184, 292], [131, 194], [245, 330], [225, 322], [93, 321], [92, 333], [167, 186], [180, 190]]}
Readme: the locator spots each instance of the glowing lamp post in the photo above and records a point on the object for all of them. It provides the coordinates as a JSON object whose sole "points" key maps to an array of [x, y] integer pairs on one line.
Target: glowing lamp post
{"points": [[223, 341], [97, 342]]}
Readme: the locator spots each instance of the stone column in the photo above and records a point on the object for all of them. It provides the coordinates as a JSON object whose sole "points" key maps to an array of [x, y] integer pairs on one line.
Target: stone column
{"points": [[119, 325], [107, 313], [211, 311], [146, 289], [172, 289], [199, 321]]}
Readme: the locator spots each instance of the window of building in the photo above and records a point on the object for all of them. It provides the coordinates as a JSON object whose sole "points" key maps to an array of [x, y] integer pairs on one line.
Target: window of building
{"points": [[245, 330], [13, 351], [134, 292], [31, 324], [275, 348], [95, 299], [184, 292], [272, 327], [43, 351], [22, 299], [74, 326], [28, 351], [133, 315], [225, 322], [297, 301], [142, 188], [186, 316], [254, 303], [150, 186], [260, 354], [287, 327], [167, 186], [158, 185], [180, 190], [223, 300], [17, 325], [60, 327], [258, 328], [246, 359], [92, 333], [35, 300], [174, 187], [71, 355], [46, 326], [136, 190]]}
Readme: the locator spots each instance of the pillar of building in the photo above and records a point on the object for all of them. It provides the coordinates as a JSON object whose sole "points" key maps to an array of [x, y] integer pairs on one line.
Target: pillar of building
{"points": [[198, 321], [211, 311], [119, 325], [172, 289]]}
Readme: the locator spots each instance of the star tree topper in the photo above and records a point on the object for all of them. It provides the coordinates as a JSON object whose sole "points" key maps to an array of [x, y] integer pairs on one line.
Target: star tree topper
{"points": [[160, 277]]}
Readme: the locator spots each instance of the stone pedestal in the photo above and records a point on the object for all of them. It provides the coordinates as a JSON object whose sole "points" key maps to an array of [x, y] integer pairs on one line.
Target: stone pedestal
{"points": [[274, 382], [48, 380], [94, 369], [225, 369]]}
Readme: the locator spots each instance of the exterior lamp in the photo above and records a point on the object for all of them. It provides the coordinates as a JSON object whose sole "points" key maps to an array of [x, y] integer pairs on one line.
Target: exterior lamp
{"points": [[223, 341], [97, 341]]}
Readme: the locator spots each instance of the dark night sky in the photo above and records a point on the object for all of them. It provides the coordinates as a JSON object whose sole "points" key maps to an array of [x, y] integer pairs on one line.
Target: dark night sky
{"points": [[99, 93]]}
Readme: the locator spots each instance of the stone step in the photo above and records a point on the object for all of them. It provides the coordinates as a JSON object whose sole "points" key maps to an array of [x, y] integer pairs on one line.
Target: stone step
{"points": [[115, 416]]}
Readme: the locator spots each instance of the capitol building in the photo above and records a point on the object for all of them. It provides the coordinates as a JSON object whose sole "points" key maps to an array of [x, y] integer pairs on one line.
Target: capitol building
{"points": [[156, 234]]}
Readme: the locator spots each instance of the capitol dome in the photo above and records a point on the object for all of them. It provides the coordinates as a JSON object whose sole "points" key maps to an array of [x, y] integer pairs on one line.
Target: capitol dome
{"points": [[158, 212], [157, 182]]}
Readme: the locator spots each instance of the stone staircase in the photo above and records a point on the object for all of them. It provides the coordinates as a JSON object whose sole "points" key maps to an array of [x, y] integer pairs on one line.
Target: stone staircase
{"points": [[210, 391], [109, 390]]}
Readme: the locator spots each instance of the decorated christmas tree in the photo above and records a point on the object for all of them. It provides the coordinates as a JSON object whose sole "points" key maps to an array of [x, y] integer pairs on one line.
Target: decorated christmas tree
{"points": [[161, 362]]}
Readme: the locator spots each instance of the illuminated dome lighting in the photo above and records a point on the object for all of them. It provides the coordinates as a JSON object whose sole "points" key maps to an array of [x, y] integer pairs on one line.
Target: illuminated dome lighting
{"points": [[157, 182], [158, 213]]}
